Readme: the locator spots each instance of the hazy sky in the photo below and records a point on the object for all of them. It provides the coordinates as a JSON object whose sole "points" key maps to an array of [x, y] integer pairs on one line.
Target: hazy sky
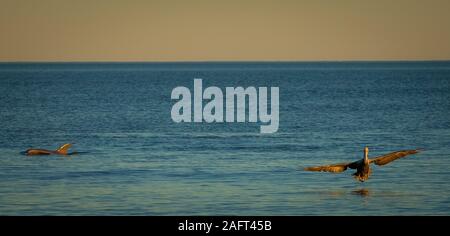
{"points": [[192, 30]]}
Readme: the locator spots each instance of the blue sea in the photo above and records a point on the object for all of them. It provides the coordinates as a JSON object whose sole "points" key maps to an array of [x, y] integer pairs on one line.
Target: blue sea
{"points": [[134, 160]]}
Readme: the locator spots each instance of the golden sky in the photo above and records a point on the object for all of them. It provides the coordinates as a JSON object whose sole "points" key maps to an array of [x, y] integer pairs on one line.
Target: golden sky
{"points": [[204, 30]]}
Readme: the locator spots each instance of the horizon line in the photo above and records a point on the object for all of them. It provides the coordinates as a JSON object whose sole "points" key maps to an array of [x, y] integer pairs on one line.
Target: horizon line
{"points": [[231, 61]]}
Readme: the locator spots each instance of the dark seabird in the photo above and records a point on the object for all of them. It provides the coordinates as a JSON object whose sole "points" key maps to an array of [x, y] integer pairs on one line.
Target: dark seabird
{"points": [[362, 166], [63, 150]]}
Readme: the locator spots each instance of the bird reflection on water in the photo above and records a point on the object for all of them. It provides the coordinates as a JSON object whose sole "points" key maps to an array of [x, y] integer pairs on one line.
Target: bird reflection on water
{"points": [[363, 192]]}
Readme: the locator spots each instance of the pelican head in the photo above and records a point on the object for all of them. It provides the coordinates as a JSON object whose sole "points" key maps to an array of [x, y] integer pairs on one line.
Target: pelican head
{"points": [[366, 152]]}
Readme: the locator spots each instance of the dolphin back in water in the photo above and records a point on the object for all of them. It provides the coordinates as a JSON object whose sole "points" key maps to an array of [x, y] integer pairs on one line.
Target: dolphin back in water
{"points": [[60, 151]]}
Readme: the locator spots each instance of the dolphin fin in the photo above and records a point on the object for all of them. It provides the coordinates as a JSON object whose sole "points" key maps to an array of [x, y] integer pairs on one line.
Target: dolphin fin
{"points": [[64, 148]]}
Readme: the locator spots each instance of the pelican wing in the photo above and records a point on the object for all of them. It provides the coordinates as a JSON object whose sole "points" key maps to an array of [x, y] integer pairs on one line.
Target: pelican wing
{"points": [[336, 168], [64, 148], [383, 160]]}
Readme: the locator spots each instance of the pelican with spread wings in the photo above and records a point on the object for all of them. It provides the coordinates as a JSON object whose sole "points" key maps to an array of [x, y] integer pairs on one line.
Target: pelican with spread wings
{"points": [[362, 166]]}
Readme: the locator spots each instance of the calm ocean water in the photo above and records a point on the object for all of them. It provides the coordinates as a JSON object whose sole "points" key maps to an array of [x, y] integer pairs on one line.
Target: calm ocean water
{"points": [[137, 161]]}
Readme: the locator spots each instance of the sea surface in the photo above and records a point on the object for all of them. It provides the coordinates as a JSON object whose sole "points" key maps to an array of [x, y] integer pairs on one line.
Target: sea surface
{"points": [[134, 160]]}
